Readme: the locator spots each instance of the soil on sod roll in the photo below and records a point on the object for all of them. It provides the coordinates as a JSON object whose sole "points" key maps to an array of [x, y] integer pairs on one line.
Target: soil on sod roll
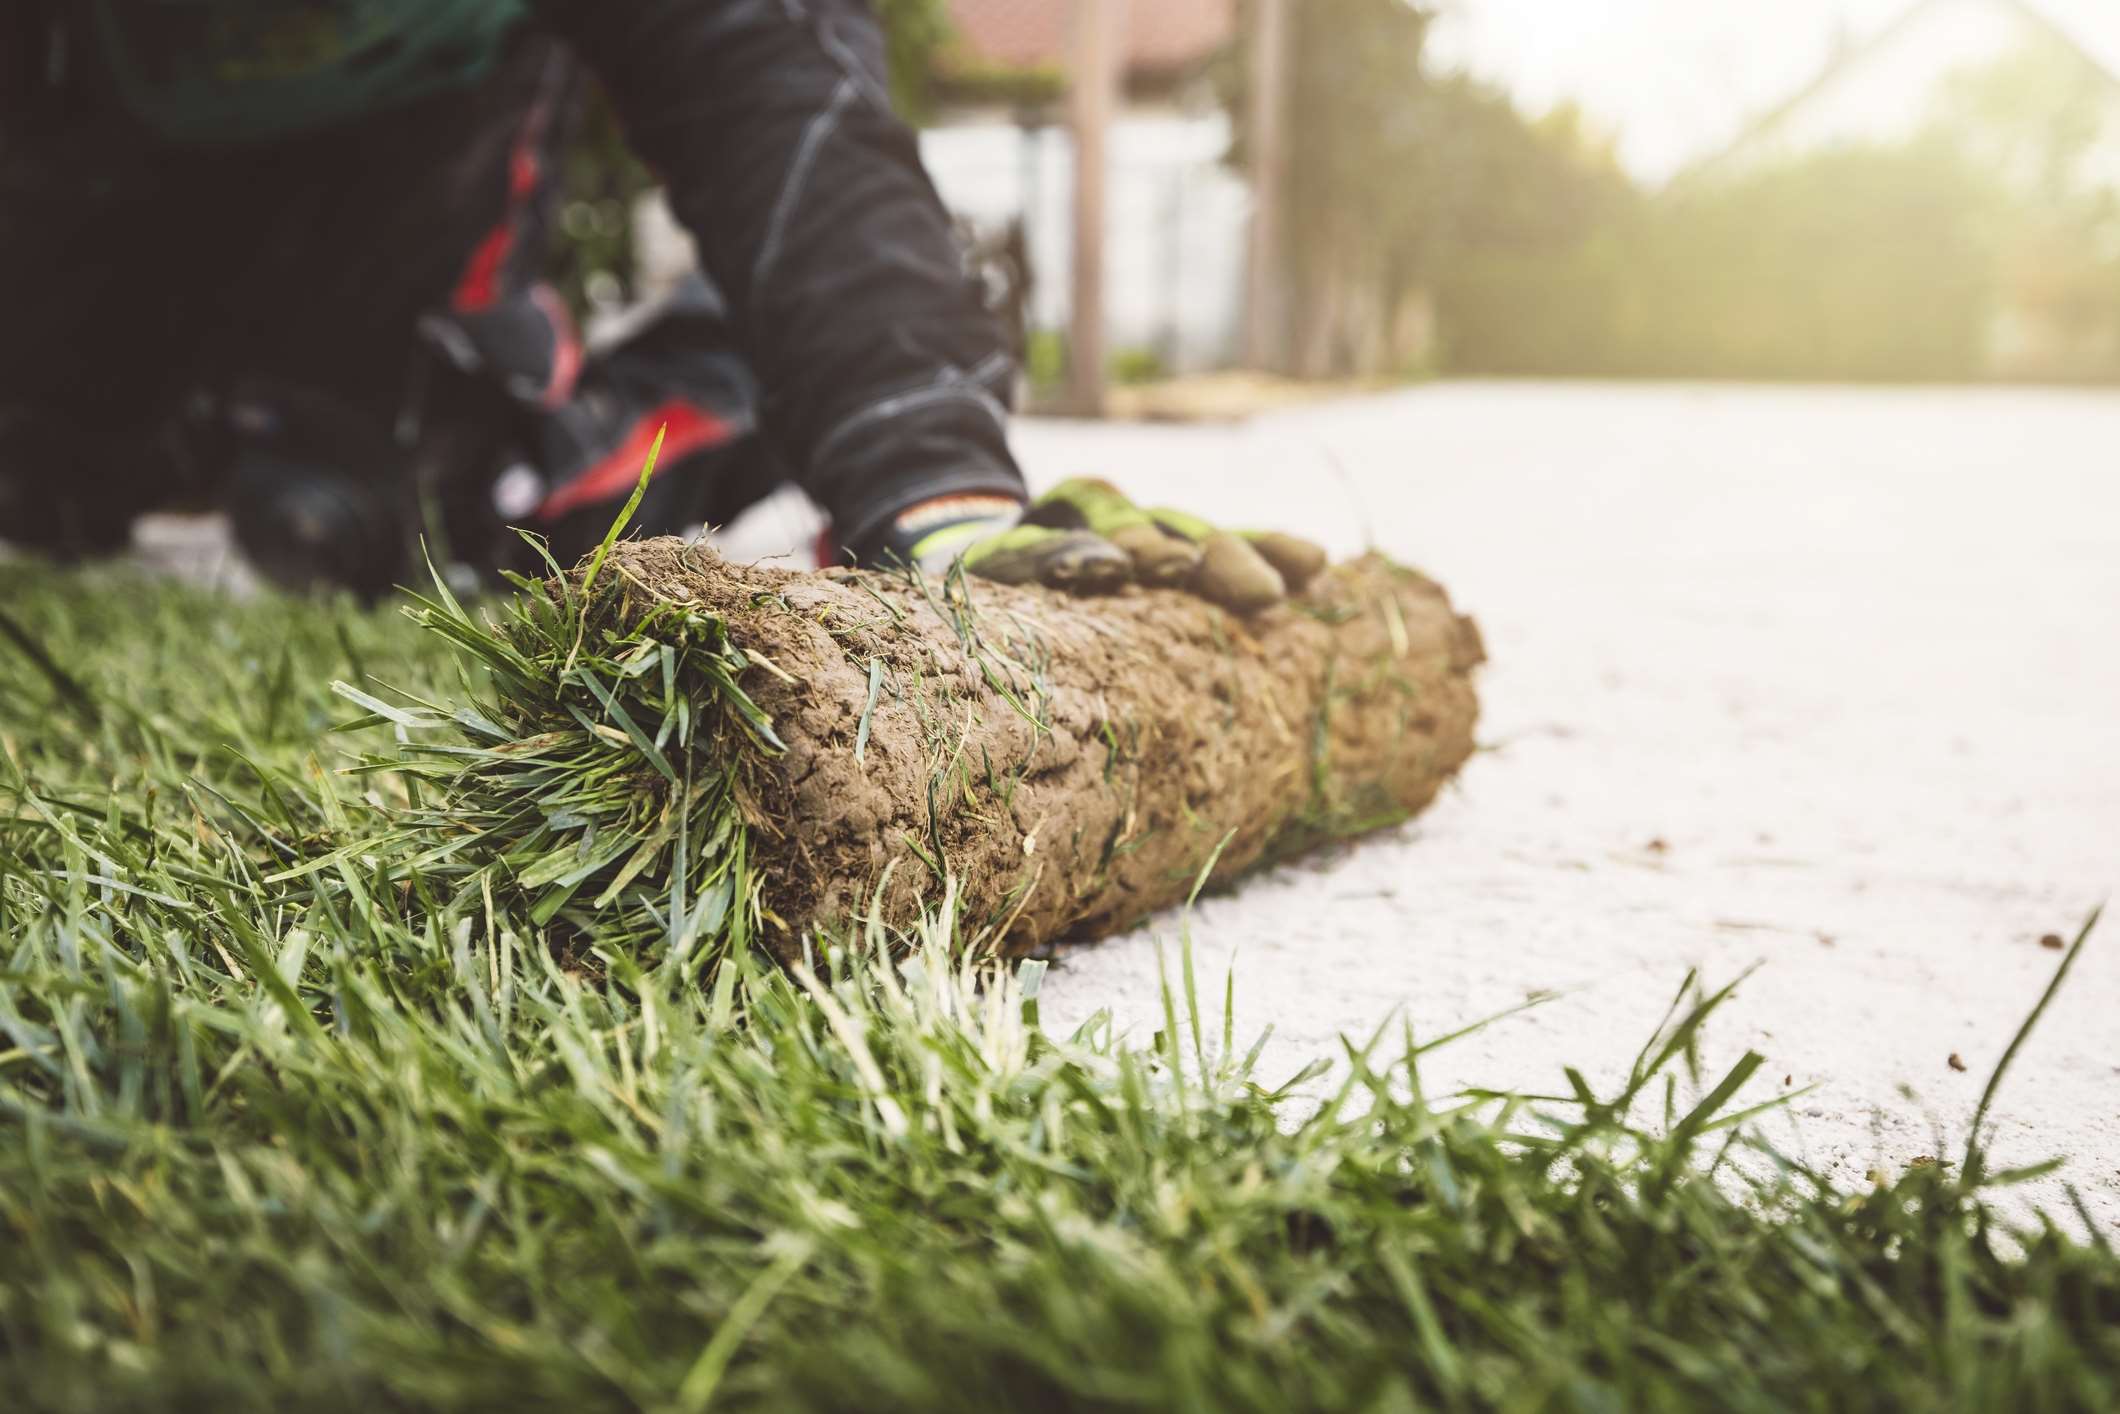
{"points": [[1073, 764]]}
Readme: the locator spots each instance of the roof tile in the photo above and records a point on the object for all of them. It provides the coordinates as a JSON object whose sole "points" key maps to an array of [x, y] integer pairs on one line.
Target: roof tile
{"points": [[1161, 34]]}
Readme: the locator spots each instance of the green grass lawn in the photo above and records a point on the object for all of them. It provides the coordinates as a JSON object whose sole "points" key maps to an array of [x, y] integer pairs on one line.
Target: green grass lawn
{"points": [[308, 1100]]}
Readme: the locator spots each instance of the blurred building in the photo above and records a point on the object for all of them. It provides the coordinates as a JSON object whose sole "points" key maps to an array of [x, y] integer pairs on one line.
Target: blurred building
{"points": [[1000, 151]]}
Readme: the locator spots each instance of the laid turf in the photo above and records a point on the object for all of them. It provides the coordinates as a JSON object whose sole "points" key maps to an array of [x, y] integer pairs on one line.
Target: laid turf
{"points": [[321, 1088]]}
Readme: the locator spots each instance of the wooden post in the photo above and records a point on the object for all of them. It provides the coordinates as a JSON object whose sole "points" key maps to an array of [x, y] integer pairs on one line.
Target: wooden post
{"points": [[1265, 308], [1099, 45]]}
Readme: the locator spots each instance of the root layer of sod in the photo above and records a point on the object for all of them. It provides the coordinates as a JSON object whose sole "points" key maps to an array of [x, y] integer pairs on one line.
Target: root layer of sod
{"points": [[348, 1066]]}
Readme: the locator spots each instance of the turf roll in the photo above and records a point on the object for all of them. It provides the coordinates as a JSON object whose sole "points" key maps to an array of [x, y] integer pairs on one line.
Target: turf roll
{"points": [[1073, 765], [680, 756]]}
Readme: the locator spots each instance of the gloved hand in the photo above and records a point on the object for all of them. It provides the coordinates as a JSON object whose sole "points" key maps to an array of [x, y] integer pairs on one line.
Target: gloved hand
{"points": [[1086, 537], [1241, 570]]}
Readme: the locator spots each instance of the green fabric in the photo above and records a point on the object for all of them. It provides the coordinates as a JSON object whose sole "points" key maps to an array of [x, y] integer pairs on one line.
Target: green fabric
{"points": [[947, 543], [256, 70], [1075, 560], [1090, 502]]}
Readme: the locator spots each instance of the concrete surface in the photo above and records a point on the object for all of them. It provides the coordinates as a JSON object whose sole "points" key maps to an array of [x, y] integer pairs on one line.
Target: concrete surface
{"points": [[1823, 680]]}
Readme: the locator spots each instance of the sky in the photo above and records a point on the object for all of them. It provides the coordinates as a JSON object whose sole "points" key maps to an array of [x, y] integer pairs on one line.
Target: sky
{"points": [[1674, 80]]}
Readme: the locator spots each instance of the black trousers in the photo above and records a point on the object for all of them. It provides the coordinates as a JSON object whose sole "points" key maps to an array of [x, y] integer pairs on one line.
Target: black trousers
{"points": [[137, 278]]}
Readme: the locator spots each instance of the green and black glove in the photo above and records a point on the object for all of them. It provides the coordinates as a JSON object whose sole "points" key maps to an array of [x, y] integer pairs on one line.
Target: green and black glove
{"points": [[1086, 537]]}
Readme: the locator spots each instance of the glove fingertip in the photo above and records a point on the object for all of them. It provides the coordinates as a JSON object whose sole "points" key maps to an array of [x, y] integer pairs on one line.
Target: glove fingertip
{"points": [[1236, 576], [1299, 561]]}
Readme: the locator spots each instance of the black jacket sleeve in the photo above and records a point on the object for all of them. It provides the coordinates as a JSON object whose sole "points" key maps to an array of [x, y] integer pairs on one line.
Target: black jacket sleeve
{"points": [[885, 381]]}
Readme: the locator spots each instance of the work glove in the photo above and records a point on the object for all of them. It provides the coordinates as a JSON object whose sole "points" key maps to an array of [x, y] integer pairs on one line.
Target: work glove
{"points": [[1084, 536]]}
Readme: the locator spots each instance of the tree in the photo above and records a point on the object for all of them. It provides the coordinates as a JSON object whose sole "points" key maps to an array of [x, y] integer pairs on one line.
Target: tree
{"points": [[915, 33], [1400, 173], [2040, 123]]}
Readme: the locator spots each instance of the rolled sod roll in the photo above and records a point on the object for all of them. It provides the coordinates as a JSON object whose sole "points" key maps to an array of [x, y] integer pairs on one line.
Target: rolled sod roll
{"points": [[1067, 766]]}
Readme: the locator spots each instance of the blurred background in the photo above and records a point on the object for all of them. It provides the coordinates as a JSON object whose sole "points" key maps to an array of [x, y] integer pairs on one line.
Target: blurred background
{"points": [[1873, 190]]}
